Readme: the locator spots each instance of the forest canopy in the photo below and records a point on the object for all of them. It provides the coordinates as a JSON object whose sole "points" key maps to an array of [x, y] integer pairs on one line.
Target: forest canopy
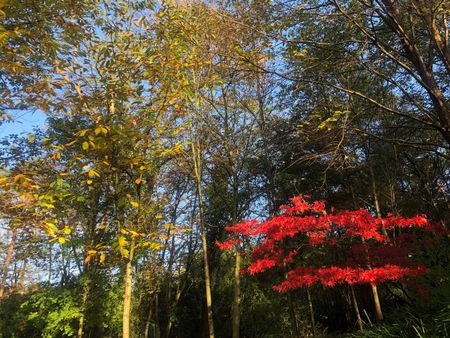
{"points": [[265, 168]]}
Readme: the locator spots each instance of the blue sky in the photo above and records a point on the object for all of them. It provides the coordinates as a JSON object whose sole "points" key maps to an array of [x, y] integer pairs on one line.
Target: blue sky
{"points": [[23, 122]]}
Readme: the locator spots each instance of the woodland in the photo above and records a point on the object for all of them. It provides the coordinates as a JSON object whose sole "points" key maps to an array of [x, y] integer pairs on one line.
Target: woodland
{"points": [[246, 168]]}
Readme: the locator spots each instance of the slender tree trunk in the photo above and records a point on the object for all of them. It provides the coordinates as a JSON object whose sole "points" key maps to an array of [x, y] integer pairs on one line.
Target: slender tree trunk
{"points": [[127, 293], [22, 275], [80, 326], [375, 199], [207, 285], [148, 322], [86, 291], [237, 294], [376, 300], [157, 326], [15, 275], [50, 257], [8, 262], [195, 146], [237, 266], [198, 175], [170, 322], [311, 312], [355, 305], [294, 322]]}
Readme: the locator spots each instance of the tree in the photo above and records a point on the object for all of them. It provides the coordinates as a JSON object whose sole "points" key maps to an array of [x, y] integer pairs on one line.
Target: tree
{"points": [[349, 247], [398, 44], [33, 36]]}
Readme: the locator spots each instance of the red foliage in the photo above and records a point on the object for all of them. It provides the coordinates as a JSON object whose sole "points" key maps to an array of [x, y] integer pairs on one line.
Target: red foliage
{"points": [[353, 241], [227, 245], [245, 228], [332, 275], [260, 265]]}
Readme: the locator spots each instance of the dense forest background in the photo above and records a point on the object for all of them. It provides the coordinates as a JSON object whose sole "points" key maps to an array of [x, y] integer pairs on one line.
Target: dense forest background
{"points": [[169, 121]]}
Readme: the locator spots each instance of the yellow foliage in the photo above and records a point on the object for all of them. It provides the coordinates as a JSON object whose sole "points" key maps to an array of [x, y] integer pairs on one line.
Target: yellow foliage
{"points": [[333, 118], [102, 257]]}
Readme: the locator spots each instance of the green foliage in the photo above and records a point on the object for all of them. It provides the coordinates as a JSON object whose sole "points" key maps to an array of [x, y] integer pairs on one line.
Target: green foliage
{"points": [[50, 312], [408, 325], [55, 311]]}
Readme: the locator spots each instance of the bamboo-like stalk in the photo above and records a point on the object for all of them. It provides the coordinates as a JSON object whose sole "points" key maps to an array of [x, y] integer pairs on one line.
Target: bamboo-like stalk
{"points": [[355, 305]]}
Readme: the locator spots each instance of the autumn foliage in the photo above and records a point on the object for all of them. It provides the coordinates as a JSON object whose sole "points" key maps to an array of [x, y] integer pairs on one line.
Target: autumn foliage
{"points": [[309, 245]]}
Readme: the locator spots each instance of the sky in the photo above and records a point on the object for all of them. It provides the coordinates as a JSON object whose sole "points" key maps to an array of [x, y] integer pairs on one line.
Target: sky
{"points": [[23, 122]]}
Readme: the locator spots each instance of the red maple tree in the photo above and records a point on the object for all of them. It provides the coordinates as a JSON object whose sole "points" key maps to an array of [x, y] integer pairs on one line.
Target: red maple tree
{"points": [[317, 246]]}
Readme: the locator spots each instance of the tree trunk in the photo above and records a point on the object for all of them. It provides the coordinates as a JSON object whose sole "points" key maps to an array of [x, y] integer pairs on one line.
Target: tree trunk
{"points": [[127, 293], [311, 312], [376, 200], [237, 294], [22, 275], [86, 290], [148, 322], [294, 322], [207, 285], [237, 266], [376, 300], [195, 147], [8, 262], [157, 326], [355, 305], [50, 257]]}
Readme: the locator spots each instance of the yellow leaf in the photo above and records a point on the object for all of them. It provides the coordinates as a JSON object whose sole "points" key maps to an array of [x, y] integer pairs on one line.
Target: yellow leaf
{"points": [[122, 241], [134, 204], [124, 252], [93, 173], [138, 181], [134, 233], [141, 168], [102, 257], [92, 252], [51, 228], [82, 132], [89, 181], [67, 230], [30, 138], [155, 246], [61, 240], [85, 145], [159, 216]]}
